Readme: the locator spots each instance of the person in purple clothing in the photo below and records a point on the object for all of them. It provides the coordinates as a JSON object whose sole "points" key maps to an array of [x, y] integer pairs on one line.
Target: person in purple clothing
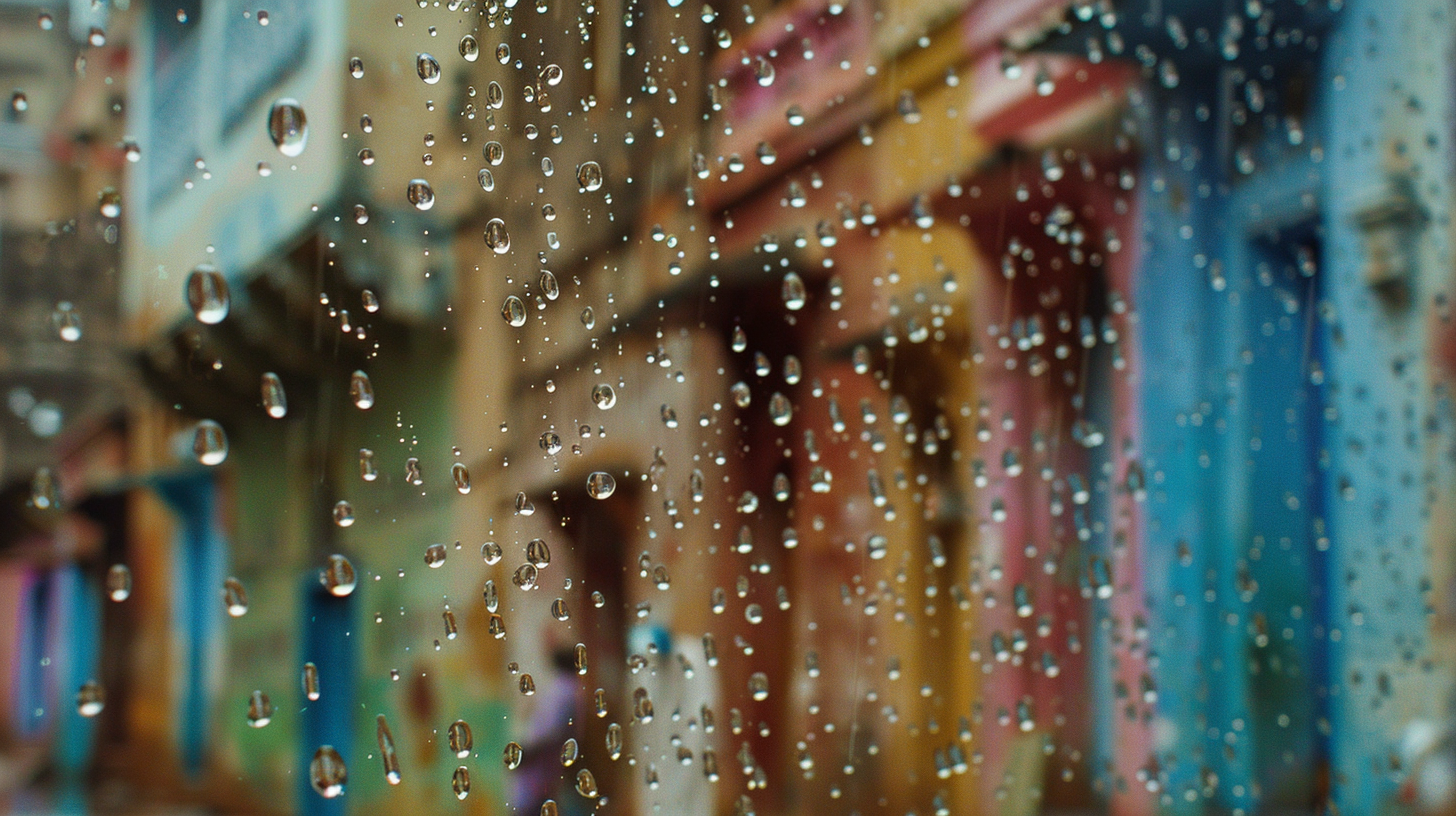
{"points": [[551, 722]]}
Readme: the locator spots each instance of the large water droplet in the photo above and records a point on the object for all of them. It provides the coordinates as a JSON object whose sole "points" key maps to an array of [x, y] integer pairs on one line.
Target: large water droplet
{"points": [[327, 772], [90, 699], [491, 552], [435, 556], [260, 709], [496, 236], [589, 176], [339, 577], [514, 311], [793, 291], [288, 127], [460, 782], [310, 681], [234, 597], [361, 391], [67, 321], [428, 68], [118, 582], [462, 742], [469, 48], [604, 396], [461, 475], [275, 401], [420, 193], [511, 756], [207, 294], [209, 443], [387, 751], [600, 485]]}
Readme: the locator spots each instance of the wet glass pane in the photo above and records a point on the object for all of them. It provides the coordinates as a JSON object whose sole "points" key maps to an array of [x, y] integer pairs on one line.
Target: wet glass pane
{"points": [[771, 407]]}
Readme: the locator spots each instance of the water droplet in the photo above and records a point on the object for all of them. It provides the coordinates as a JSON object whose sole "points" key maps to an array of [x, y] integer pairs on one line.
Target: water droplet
{"points": [[118, 582], [511, 756], [551, 443], [310, 681], [234, 597], [462, 742], [589, 318], [275, 401], [460, 782], [18, 102], [763, 71], [524, 505], [486, 179], [614, 741], [435, 556], [420, 193], [109, 200], [428, 68], [758, 686], [604, 396], [90, 699], [538, 554], [469, 48], [496, 236], [367, 471], [793, 291], [514, 311], [461, 476], [343, 513], [207, 294], [209, 443], [549, 285], [525, 577], [361, 390], [356, 67], [600, 485], [370, 301], [494, 153], [589, 176], [779, 409], [288, 127], [260, 709], [527, 685], [67, 321], [491, 552], [387, 752], [327, 772], [642, 707], [503, 53], [552, 74], [338, 577]]}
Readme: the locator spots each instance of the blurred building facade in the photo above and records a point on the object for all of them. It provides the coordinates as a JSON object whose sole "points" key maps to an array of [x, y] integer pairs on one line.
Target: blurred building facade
{"points": [[1019, 406]]}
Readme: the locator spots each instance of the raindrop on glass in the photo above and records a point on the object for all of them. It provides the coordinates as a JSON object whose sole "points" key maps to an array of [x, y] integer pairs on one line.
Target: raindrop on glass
{"points": [[288, 127]]}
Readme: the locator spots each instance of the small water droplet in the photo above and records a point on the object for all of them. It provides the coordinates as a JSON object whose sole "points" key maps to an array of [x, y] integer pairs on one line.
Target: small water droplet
{"points": [[604, 396], [435, 556], [491, 552], [511, 756]]}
